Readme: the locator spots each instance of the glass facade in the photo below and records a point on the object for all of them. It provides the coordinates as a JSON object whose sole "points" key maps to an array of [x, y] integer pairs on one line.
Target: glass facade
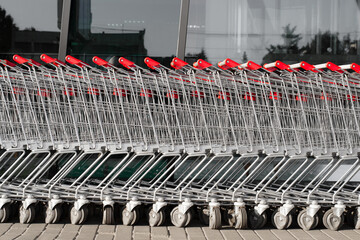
{"points": [[267, 30], [29, 28], [263, 31], [130, 28]]}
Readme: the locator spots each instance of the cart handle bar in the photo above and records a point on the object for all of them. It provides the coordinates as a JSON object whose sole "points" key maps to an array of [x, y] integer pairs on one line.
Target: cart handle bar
{"points": [[304, 65], [151, 63], [48, 59], [7, 63], [101, 62], [75, 61], [126, 63], [177, 63], [201, 64], [21, 60], [227, 63], [250, 65], [277, 64], [355, 67]]}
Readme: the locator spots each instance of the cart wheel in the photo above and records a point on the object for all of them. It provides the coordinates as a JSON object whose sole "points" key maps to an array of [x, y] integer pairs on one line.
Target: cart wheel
{"points": [[279, 221], [53, 215], [290, 216], [356, 220], [204, 213], [305, 221], [349, 216], [5, 212], [241, 219], [215, 218], [156, 218], [257, 221], [108, 215], [27, 215], [229, 217], [130, 218], [331, 221], [78, 216], [179, 219], [189, 216]]}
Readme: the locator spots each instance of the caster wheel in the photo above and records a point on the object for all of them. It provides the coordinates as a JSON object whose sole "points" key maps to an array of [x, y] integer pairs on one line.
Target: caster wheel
{"points": [[306, 222], [215, 218], [241, 219], [156, 218], [53, 215], [27, 215], [356, 220], [179, 219], [229, 216], [280, 221], [204, 215], [331, 221], [5, 212], [78, 216], [130, 218], [257, 221], [108, 215]]}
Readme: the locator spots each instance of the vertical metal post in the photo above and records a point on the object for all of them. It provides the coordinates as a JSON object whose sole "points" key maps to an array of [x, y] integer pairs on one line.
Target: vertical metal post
{"points": [[183, 22], [65, 20]]}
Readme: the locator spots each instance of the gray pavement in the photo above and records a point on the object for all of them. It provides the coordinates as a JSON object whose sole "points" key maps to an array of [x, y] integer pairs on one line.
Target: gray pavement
{"points": [[96, 231]]}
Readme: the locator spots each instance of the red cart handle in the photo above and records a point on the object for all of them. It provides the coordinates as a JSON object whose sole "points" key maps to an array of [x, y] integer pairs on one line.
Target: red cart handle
{"points": [[329, 65], [22, 60], [151, 63], [201, 64], [278, 64], [355, 67], [250, 65], [51, 60], [304, 65], [101, 62], [7, 63], [227, 64], [75, 61], [177, 63], [126, 63]]}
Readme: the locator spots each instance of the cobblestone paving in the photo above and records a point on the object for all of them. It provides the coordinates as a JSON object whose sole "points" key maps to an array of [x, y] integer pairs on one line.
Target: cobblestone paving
{"points": [[195, 231]]}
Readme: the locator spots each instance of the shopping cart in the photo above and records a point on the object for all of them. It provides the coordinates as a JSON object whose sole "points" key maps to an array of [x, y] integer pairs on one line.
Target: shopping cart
{"points": [[233, 141]]}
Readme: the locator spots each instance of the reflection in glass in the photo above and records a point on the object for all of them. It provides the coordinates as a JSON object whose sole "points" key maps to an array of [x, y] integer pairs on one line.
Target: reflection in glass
{"points": [[29, 30], [129, 28], [267, 30]]}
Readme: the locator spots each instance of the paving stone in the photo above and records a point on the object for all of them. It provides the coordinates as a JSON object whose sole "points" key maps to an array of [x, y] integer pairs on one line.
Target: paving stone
{"points": [[230, 234], [334, 234], [318, 235], [177, 233], [87, 232], [266, 234], [212, 234], [36, 227], [69, 231], [350, 233], [141, 232], [282, 234], [248, 234], [106, 229], [195, 233], [123, 232], [15, 231], [47, 236], [159, 232], [104, 236], [300, 234], [4, 227]]}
